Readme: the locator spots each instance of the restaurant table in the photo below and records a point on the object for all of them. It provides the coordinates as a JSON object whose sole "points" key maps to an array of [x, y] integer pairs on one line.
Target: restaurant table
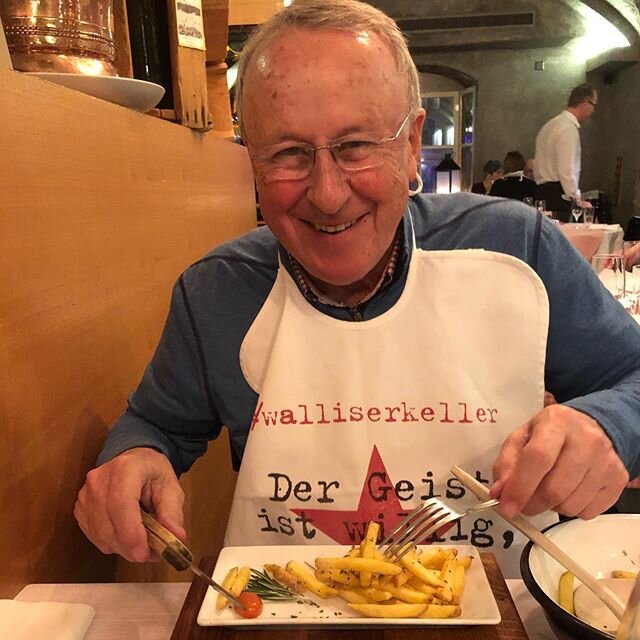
{"points": [[590, 239], [149, 610]]}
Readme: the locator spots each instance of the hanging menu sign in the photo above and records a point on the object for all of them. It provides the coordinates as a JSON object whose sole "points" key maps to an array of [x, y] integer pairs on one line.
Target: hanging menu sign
{"points": [[190, 24]]}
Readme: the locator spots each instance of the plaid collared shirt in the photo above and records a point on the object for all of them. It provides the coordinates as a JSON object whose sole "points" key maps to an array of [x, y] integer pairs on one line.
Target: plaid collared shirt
{"points": [[311, 292]]}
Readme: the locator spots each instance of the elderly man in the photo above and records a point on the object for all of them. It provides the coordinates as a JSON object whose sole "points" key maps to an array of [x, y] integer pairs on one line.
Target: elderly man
{"points": [[558, 153], [370, 338]]}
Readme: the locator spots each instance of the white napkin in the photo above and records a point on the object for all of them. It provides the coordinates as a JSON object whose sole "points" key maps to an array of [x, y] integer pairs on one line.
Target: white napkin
{"points": [[50, 620]]}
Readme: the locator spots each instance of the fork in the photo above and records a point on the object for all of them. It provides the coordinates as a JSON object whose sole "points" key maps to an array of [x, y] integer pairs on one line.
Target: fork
{"points": [[610, 599], [424, 521]]}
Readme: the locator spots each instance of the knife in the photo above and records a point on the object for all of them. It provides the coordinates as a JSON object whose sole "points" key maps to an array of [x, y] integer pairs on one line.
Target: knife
{"points": [[610, 599], [178, 555]]}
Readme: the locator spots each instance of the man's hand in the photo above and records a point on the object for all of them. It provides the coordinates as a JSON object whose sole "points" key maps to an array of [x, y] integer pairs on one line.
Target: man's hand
{"points": [[585, 204], [632, 256], [562, 460], [108, 506]]}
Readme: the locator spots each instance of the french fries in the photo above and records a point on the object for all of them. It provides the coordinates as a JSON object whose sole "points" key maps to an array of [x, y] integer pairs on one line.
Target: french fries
{"points": [[422, 584], [426, 584], [565, 592], [359, 564], [390, 610], [285, 577], [310, 581], [235, 582], [566, 587], [625, 575], [367, 550]]}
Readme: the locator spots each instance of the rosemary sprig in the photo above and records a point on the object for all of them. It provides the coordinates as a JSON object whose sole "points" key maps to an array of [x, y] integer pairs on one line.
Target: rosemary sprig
{"points": [[268, 588]]}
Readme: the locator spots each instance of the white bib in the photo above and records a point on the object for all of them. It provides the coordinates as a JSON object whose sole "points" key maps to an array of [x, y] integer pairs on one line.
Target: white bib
{"points": [[364, 420]]}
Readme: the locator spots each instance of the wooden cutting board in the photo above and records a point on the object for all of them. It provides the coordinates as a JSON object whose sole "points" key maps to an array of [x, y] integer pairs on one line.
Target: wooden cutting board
{"points": [[509, 629]]}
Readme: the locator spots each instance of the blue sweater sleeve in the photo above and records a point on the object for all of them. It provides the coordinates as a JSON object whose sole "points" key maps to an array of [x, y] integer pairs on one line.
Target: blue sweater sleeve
{"points": [[593, 349], [171, 410]]}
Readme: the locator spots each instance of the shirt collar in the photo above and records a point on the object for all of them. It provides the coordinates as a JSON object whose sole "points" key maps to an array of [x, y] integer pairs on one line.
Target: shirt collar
{"points": [[572, 118], [312, 294]]}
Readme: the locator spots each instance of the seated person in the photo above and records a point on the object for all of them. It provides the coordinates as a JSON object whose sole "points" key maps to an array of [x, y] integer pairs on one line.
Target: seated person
{"points": [[528, 169], [632, 256], [513, 183], [492, 171], [348, 344]]}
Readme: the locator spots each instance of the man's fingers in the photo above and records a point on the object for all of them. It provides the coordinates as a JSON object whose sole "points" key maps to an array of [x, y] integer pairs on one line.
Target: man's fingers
{"points": [[537, 458], [123, 507], [615, 479], [570, 475], [95, 522], [604, 499], [565, 479], [154, 484], [108, 506], [567, 463], [509, 455], [100, 541], [581, 495], [168, 500]]}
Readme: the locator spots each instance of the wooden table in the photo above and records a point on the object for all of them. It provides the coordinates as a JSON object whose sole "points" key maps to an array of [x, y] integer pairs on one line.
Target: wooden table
{"points": [[148, 611]]}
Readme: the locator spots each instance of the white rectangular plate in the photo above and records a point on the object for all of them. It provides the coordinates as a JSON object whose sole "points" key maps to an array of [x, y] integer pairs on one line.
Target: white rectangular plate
{"points": [[478, 603]]}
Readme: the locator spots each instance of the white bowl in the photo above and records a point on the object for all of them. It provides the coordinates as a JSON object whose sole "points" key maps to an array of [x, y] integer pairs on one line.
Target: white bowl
{"points": [[606, 543], [127, 92]]}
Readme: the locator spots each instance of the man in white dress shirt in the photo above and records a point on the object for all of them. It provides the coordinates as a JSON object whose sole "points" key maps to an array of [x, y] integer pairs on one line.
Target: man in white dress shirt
{"points": [[557, 160]]}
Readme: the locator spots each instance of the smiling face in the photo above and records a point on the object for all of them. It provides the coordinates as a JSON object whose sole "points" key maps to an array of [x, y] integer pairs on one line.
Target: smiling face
{"points": [[314, 87]]}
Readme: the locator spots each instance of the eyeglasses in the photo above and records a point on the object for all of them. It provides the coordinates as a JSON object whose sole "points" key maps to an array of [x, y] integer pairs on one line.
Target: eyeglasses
{"points": [[592, 103], [295, 162]]}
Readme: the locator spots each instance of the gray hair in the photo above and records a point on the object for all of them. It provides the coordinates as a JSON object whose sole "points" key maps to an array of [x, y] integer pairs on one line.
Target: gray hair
{"points": [[581, 93], [351, 16]]}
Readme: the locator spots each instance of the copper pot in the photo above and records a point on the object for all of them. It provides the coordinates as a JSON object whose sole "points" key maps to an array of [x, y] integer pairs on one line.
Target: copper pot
{"points": [[64, 36]]}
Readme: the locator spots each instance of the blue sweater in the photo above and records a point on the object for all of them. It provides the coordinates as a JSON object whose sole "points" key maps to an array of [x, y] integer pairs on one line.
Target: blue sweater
{"points": [[194, 383]]}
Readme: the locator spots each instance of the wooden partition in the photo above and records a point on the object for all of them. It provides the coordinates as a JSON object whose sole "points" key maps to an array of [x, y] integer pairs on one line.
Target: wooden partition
{"points": [[101, 208], [216, 18]]}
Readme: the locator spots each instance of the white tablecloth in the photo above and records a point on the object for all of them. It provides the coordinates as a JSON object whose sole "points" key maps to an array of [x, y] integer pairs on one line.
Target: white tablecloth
{"points": [[148, 611], [590, 239]]}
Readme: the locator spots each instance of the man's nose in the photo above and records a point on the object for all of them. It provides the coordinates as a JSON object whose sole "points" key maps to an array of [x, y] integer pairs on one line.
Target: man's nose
{"points": [[329, 188]]}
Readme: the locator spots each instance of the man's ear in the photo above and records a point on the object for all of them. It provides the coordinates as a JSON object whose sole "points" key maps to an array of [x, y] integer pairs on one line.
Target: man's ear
{"points": [[415, 135]]}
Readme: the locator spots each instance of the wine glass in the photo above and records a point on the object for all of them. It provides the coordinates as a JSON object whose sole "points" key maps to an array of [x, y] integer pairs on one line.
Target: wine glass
{"points": [[610, 269], [576, 210], [632, 289]]}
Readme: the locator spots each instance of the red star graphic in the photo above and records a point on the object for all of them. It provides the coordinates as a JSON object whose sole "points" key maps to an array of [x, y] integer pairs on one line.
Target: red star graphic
{"points": [[349, 527]]}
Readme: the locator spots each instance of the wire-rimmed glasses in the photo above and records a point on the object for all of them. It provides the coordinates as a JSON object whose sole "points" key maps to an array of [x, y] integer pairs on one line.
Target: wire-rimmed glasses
{"points": [[295, 161]]}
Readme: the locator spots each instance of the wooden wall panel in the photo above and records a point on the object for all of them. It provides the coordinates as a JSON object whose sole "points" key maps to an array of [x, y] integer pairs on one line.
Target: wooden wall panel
{"points": [[101, 208], [252, 11]]}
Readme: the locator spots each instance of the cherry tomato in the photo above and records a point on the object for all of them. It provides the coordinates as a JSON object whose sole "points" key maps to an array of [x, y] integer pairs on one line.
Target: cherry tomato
{"points": [[252, 603]]}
